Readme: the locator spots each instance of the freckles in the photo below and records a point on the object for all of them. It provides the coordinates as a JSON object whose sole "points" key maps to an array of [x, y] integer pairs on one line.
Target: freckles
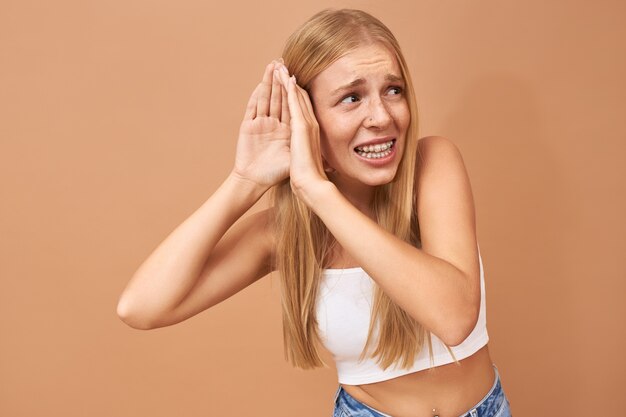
{"points": [[402, 114]]}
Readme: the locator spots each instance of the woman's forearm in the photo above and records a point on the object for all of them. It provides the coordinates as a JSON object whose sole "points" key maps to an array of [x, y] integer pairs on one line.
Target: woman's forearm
{"points": [[168, 274], [433, 291]]}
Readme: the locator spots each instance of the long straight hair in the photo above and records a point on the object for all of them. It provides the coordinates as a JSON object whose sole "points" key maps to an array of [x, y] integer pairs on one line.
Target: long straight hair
{"points": [[303, 245]]}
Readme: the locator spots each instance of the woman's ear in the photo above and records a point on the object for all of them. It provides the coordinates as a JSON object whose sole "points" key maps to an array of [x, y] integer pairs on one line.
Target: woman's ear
{"points": [[327, 168]]}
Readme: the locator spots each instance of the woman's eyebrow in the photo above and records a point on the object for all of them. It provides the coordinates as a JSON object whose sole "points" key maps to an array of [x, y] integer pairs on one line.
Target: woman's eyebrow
{"points": [[394, 78], [357, 82], [360, 81]]}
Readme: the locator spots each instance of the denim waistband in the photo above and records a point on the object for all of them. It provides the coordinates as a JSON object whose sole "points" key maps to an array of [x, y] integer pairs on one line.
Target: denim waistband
{"points": [[488, 406]]}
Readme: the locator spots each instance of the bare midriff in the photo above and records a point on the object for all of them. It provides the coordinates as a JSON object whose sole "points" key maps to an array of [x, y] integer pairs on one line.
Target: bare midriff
{"points": [[450, 390]]}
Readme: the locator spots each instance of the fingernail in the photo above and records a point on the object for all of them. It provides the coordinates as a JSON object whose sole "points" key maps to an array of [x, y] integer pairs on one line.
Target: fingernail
{"points": [[282, 61]]}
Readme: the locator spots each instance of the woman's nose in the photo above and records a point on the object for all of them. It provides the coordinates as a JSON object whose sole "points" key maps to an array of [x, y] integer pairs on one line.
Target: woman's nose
{"points": [[378, 115]]}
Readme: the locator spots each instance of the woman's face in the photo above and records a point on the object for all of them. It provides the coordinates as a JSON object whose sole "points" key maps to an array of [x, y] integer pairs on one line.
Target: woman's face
{"points": [[362, 110]]}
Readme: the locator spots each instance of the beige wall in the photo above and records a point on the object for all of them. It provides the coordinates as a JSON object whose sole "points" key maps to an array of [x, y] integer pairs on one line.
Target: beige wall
{"points": [[119, 118]]}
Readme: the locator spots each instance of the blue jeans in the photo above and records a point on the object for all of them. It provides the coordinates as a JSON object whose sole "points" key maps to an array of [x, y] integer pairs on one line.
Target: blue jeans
{"points": [[494, 404]]}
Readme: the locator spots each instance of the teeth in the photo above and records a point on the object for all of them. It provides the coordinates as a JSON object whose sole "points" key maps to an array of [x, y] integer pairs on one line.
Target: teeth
{"points": [[374, 155], [375, 151], [381, 147]]}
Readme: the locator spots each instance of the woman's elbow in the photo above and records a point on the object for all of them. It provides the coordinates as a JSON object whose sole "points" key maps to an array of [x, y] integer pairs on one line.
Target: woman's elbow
{"points": [[129, 316], [459, 329]]}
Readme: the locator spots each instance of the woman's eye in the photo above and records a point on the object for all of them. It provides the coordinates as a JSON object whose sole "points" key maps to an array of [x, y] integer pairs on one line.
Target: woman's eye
{"points": [[398, 90], [352, 98]]}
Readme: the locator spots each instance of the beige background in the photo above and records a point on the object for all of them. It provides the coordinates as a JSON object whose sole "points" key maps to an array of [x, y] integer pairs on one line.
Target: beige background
{"points": [[119, 118]]}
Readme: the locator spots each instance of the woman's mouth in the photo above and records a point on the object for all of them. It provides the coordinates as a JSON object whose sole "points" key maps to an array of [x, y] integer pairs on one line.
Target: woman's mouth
{"points": [[378, 151]]}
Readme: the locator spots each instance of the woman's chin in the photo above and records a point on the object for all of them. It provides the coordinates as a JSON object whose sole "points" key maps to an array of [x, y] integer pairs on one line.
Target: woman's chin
{"points": [[379, 182], [379, 177], [374, 179]]}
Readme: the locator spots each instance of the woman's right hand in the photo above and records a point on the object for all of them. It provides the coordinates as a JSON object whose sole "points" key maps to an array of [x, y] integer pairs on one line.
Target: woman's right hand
{"points": [[264, 135]]}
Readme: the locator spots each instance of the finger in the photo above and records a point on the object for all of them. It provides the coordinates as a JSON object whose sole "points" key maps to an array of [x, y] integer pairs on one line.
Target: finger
{"points": [[309, 116], [295, 111], [284, 114], [307, 106], [251, 106], [283, 75], [302, 99], [275, 96], [263, 99]]}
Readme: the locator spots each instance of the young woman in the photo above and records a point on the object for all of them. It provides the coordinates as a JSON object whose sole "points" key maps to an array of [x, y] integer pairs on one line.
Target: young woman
{"points": [[372, 231]]}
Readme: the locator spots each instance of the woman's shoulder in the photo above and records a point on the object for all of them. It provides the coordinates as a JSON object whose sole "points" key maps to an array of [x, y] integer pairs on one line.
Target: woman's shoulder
{"points": [[445, 204], [436, 143], [437, 154]]}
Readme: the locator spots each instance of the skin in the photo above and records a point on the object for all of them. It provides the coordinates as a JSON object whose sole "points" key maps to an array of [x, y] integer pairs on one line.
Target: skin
{"points": [[353, 116], [373, 109], [285, 134]]}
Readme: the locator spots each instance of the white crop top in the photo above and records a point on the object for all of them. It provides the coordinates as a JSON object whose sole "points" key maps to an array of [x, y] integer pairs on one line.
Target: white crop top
{"points": [[343, 315]]}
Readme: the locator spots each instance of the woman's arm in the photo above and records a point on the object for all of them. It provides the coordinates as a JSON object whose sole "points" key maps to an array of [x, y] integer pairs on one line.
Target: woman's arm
{"points": [[189, 271], [439, 284], [197, 265]]}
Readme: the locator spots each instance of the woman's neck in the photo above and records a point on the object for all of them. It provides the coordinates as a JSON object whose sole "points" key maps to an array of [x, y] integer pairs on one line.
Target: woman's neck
{"points": [[359, 195]]}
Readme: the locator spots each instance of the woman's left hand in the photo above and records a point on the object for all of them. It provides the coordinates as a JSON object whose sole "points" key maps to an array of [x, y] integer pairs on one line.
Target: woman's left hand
{"points": [[306, 169]]}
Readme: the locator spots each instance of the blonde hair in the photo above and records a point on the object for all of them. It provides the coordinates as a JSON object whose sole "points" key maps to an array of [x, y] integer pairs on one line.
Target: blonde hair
{"points": [[303, 245]]}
